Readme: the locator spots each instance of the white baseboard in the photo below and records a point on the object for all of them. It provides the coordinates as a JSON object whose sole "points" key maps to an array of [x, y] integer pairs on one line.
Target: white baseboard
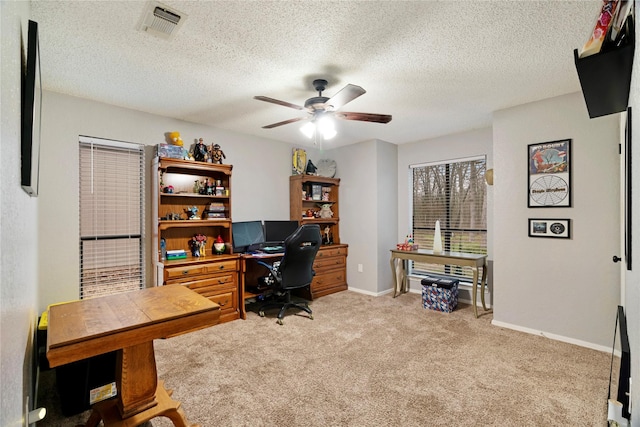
{"points": [[551, 336], [373, 294]]}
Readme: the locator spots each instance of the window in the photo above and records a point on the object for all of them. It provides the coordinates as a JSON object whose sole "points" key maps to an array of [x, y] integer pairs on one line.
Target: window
{"points": [[111, 217], [454, 193]]}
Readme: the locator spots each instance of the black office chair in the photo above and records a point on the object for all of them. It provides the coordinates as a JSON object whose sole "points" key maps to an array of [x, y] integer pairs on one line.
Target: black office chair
{"points": [[294, 270]]}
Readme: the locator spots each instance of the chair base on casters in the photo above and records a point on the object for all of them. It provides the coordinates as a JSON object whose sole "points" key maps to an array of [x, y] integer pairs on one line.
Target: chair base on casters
{"points": [[284, 306]]}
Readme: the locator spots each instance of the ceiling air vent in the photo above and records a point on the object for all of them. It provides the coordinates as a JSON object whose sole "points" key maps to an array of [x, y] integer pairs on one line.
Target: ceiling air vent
{"points": [[161, 20]]}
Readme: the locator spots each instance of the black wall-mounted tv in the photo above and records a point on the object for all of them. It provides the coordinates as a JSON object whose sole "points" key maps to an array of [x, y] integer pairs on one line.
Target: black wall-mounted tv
{"points": [[31, 110]]}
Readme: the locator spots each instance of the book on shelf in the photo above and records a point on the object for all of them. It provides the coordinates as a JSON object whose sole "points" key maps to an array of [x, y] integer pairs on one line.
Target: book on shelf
{"points": [[601, 28], [176, 252]]}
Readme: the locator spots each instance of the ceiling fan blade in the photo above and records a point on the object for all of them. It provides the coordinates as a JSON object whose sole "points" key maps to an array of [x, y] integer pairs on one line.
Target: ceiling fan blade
{"points": [[364, 117], [286, 122], [277, 101], [346, 94]]}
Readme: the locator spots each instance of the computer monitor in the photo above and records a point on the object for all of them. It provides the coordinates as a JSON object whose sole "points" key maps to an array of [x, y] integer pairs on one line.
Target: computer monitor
{"points": [[245, 234], [277, 231]]}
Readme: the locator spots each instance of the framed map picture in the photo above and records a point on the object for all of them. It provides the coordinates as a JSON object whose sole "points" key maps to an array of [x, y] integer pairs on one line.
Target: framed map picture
{"points": [[549, 183]]}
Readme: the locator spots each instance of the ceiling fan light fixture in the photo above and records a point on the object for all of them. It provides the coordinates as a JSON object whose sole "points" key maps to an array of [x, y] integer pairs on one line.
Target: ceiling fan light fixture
{"points": [[308, 129], [326, 127]]}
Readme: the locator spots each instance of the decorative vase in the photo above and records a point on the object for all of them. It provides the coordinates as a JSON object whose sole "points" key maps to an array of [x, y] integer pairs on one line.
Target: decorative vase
{"points": [[437, 239]]}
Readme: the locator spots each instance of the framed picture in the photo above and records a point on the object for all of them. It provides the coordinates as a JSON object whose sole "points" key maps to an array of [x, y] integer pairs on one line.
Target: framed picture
{"points": [[299, 161], [31, 109], [544, 227], [316, 192], [549, 183]]}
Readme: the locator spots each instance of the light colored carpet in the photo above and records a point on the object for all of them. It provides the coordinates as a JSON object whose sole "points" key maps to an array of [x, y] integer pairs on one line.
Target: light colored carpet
{"points": [[377, 361]]}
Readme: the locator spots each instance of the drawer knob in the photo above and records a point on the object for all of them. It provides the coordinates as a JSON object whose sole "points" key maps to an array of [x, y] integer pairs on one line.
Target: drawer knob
{"points": [[185, 271], [221, 267]]}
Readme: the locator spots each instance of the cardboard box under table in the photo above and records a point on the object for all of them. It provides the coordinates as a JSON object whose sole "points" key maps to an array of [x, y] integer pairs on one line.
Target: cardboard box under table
{"points": [[440, 294]]}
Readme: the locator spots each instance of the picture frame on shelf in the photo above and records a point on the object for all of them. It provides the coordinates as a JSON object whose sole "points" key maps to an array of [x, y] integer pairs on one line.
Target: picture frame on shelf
{"points": [[316, 192], [552, 228], [549, 178]]}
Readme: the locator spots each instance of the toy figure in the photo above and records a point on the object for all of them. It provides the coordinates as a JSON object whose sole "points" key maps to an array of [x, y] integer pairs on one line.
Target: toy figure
{"points": [[219, 245], [198, 245], [327, 238], [217, 154], [174, 139], [311, 168], [193, 212], [200, 151]]}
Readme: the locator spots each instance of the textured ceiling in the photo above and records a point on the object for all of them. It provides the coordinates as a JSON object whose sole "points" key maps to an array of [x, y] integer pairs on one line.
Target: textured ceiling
{"points": [[438, 67]]}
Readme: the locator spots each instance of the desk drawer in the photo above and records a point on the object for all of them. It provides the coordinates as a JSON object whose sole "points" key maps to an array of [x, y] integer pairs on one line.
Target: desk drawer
{"points": [[325, 253], [329, 263], [328, 280], [218, 280], [200, 269]]}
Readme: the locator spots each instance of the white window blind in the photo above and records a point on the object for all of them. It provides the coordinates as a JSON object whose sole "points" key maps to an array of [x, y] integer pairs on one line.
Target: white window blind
{"points": [[455, 193], [111, 217]]}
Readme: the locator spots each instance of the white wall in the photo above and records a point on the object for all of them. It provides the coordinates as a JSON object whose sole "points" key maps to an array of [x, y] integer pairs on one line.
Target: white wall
{"points": [[261, 170], [386, 211], [18, 229], [356, 170], [568, 288], [367, 211]]}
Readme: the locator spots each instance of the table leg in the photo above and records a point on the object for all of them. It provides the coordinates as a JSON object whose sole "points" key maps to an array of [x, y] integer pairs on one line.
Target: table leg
{"points": [[484, 284], [474, 291], [136, 378], [395, 276], [141, 396], [400, 282]]}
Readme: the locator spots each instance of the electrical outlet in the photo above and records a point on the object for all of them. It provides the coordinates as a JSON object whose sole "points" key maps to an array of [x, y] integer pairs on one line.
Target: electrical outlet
{"points": [[360, 269]]}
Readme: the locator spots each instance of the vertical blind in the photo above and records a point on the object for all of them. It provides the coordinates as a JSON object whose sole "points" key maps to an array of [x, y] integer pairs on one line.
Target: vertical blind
{"points": [[111, 217], [454, 193]]}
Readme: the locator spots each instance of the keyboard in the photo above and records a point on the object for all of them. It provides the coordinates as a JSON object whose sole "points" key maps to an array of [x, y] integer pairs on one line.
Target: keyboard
{"points": [[267, 247]]}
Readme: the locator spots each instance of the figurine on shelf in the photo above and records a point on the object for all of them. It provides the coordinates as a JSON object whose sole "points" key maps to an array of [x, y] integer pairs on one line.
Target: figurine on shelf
{"points": [[200, 151], [174, 139], [326, 191], [325, 211], [327, 237], [198, 245], [219, 245], [311, 168], [193, 212], [216, 154]]}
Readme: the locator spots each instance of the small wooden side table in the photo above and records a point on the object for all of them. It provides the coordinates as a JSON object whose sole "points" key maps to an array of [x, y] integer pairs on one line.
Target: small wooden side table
{"points": [[128, 323]]}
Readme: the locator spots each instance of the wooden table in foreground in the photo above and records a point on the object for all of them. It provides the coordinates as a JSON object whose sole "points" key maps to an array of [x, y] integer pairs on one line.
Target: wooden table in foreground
{"points": [[128, 323], [462, 259]]}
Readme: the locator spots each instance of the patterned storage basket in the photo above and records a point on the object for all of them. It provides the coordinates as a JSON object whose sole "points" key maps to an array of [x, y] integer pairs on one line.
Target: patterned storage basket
{"points": [[440, 294]]}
